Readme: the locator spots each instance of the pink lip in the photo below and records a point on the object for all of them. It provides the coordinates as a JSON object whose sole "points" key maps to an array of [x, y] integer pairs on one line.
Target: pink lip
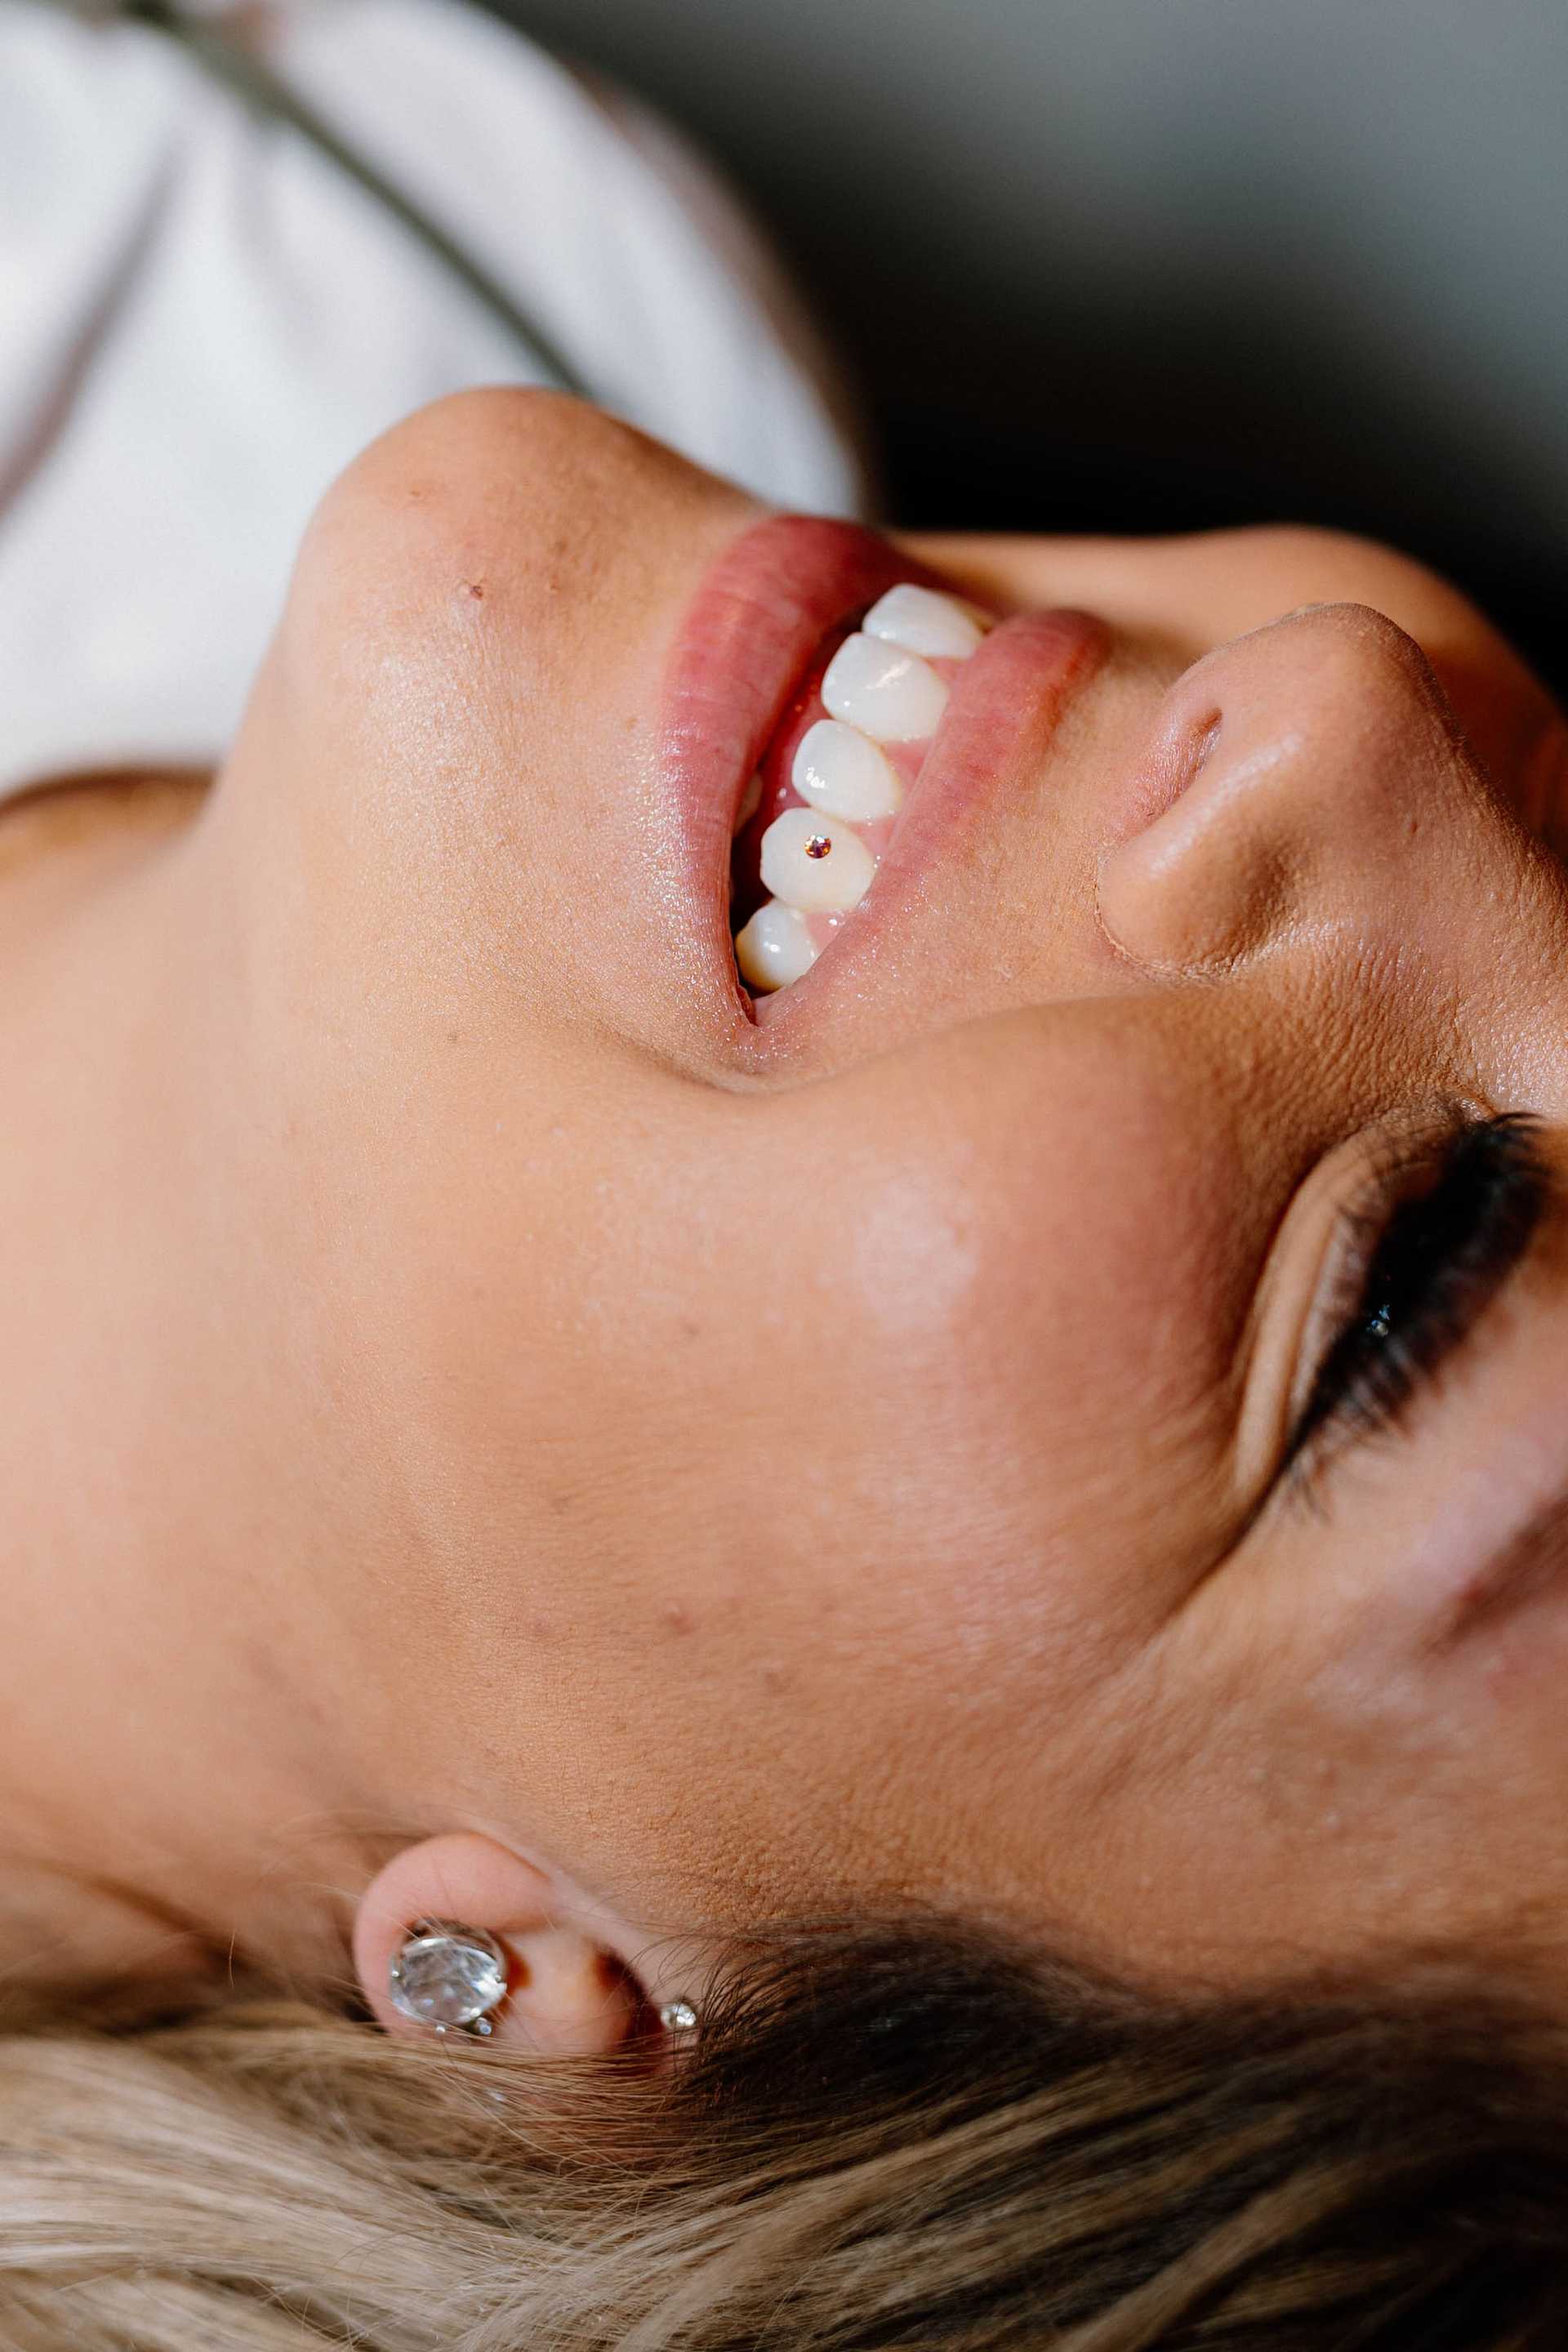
{"points": [[757, 618]]}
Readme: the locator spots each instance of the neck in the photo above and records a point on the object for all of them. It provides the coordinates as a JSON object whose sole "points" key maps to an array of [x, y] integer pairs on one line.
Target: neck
{"points": [[171, 1770]]}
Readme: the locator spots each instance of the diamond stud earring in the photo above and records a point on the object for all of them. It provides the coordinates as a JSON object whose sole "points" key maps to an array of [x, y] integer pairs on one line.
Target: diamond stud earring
{"points": [[449, 1978], [453, 1978]]}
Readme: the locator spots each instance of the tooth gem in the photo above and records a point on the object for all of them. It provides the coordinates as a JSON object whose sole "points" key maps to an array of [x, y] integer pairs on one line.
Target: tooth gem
{"points": [[449, 1976], [877, 689], [844, 773], [820, 867], [889, 695], [924, 621]]}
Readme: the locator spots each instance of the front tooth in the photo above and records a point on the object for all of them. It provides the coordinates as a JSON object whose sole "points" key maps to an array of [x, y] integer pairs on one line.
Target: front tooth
{"points": [[923, 622], [775, 947], [842, 773], [888, 694], [816, 863]]}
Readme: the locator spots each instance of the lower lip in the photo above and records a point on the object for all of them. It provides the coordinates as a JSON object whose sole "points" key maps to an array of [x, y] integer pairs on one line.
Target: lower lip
{"points": [[759, 617]]}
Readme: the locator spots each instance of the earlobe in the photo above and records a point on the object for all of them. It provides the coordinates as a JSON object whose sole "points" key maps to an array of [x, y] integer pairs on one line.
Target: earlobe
{"points": [[525, 1973]]}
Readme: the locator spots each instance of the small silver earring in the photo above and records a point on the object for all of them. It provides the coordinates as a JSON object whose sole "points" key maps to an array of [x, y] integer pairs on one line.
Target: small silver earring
{"points": [[449, 1978]]}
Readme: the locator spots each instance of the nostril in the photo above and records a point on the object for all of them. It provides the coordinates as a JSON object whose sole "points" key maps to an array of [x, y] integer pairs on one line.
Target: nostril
{"points": [[1196, 750], [1194, 875], [1182, 749]]}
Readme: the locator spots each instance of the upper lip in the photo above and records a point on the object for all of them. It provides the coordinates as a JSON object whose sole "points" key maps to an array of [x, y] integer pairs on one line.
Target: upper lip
{"points": [[758, 616]]}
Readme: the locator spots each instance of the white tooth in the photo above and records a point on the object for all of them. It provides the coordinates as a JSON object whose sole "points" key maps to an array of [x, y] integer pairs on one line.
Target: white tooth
{"points": [[842, 773], [923, 622], [888, 694], [775, 947], [816, 863], [751, 800]]}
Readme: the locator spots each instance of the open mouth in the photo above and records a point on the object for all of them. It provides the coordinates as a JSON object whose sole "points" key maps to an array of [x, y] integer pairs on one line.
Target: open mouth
{"points": [[836, 718], [823, 803]]}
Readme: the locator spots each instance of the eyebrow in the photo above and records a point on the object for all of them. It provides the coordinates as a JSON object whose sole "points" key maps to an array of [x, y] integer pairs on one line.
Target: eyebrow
{"points": [[1531, 1558]]}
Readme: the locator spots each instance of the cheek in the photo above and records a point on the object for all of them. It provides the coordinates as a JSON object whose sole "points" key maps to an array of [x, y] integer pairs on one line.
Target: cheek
{"points": [[994, 1364], [830, 1453], [1105, 1343]]}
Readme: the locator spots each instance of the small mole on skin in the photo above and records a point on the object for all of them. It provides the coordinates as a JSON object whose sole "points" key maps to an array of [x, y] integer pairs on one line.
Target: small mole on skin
{"points": [[676, 1618], [454, 1037], [476, 588]]}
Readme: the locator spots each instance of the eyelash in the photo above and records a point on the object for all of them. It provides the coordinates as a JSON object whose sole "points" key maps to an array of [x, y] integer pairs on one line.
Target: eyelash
{"points": [[1420, 1272]]}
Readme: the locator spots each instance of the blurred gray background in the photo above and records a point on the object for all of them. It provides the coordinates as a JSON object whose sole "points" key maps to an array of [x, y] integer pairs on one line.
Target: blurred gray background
{"points": [[1139, 264]]}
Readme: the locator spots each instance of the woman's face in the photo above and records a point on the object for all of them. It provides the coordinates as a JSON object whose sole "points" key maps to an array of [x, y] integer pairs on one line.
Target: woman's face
{"points": [[916, 1439]]}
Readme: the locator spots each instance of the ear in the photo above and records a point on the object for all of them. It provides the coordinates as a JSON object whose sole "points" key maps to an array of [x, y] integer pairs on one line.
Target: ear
{"points": [[567, 1993]]}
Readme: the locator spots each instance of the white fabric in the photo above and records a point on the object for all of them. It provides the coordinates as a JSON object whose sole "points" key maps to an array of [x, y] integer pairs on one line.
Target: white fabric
{"points": [[202, 320]]}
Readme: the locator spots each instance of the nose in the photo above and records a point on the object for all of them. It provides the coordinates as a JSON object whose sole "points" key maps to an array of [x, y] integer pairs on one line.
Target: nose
{"points": [[1308, 778]]}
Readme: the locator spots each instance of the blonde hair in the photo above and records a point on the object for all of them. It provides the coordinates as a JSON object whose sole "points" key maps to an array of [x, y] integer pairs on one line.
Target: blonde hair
{"points": [[888, 2135]]}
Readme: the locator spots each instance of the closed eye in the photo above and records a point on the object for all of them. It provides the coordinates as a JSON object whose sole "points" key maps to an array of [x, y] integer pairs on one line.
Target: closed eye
{"points": [[1418, 1273]]}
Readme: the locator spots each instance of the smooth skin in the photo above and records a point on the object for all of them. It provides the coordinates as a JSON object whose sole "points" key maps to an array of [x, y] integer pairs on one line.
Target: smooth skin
{"points": [[480, 1441]]}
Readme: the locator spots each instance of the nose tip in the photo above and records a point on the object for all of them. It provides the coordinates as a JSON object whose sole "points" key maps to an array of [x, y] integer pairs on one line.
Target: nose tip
{"points": [[1296, 778]]}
